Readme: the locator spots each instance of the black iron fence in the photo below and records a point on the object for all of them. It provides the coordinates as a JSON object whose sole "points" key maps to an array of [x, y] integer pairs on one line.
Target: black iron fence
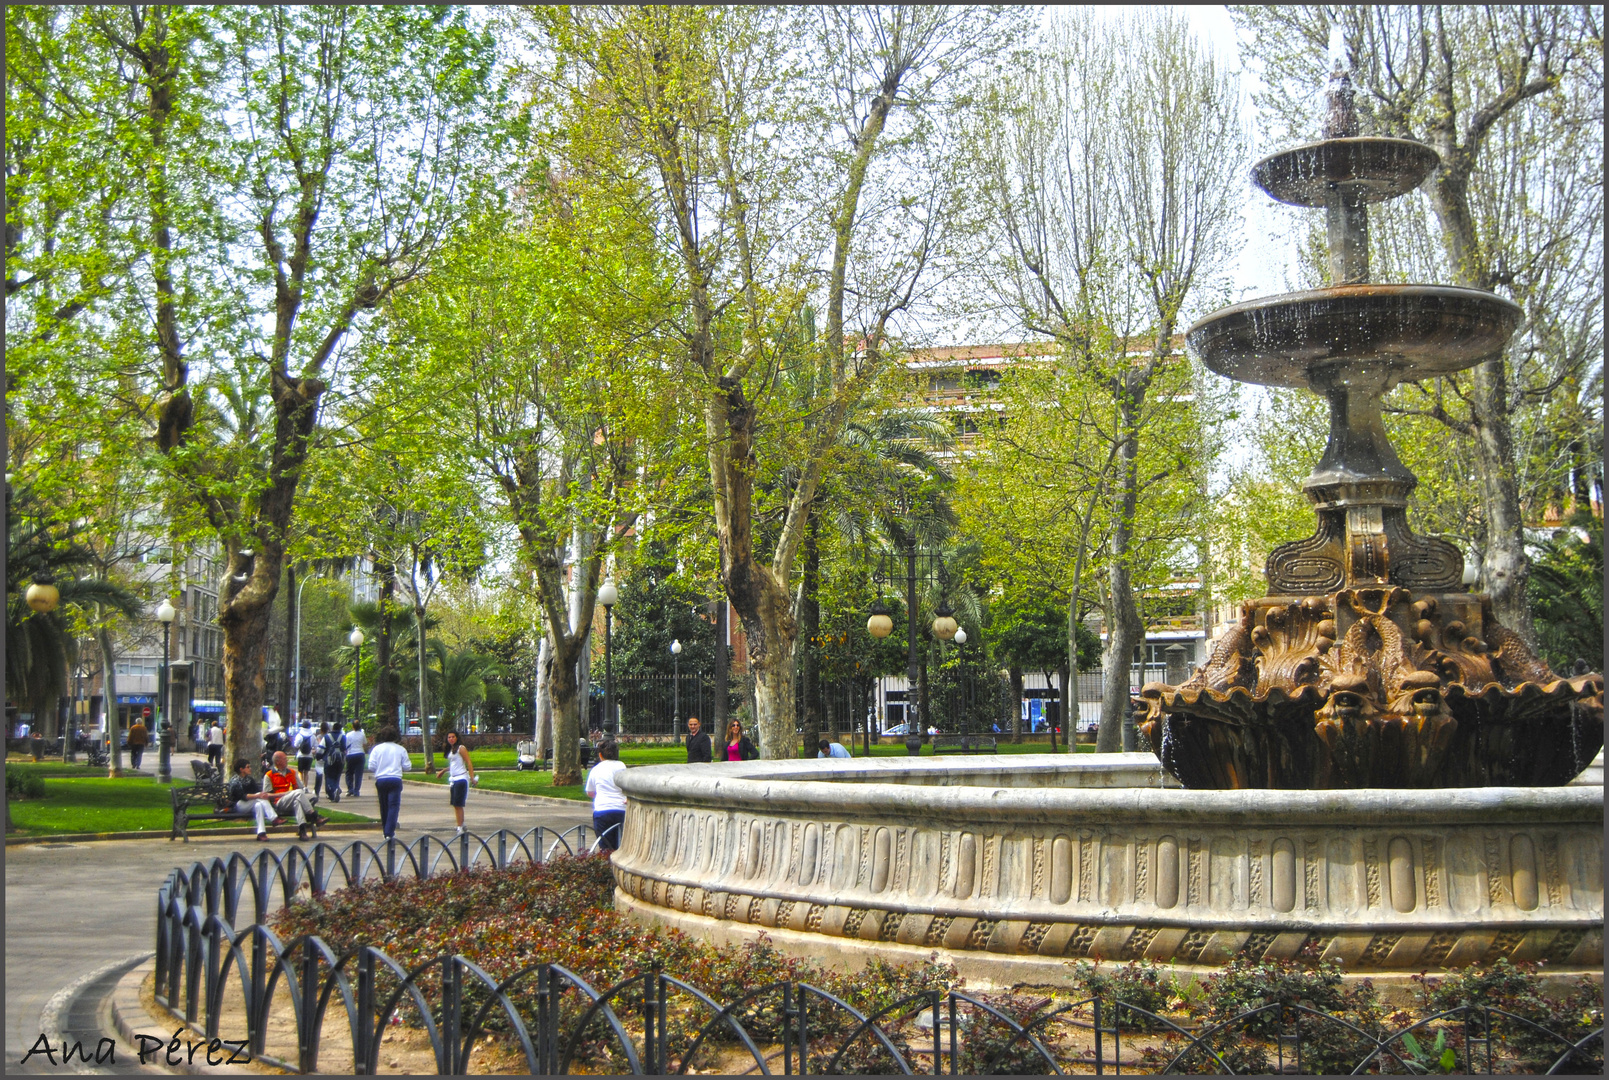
{"points": [[658, 704], [329, 1012]]}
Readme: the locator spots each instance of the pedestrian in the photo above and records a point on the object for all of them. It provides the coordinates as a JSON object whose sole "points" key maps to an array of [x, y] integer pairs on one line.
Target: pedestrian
{"points": [[355, 745], [737, 746], [306, 752], [284, 785], [334, 748], [138, 736], [831, 749], [246, 795], [215, 746], [698, 742], [608, 801], [389, 761], [460, 774]]}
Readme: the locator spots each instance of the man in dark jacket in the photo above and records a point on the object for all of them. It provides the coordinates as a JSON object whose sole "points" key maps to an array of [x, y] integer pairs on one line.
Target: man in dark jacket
{"points": [[246, 795], [698, 742], [138, 736]]}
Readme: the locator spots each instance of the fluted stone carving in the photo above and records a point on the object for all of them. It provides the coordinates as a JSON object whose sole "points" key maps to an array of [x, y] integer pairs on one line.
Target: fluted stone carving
{"points": [[1025, 860]]}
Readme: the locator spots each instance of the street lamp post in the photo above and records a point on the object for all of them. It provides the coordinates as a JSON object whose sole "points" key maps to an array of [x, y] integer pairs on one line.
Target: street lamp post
{"points": [[356, 641], [42, 597], [960, 639], [164, 727], [296, 664], [676, 687], [608, 596]]}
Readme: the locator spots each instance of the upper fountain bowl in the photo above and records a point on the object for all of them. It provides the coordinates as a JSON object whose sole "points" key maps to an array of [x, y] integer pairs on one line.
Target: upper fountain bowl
{"points": [[1377, 169], [1418, 331]]}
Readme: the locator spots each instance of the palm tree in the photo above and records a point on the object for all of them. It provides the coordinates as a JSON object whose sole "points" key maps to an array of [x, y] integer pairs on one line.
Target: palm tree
{"points": [[463, 679], [41, 647]]}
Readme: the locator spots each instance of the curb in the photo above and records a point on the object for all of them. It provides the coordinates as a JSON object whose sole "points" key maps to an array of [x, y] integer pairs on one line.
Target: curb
{"points": [[129, 1016], [154, 834], [53, 1018]]}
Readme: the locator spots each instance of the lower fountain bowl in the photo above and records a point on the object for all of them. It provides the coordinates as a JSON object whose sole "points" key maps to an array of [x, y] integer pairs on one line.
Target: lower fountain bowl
{"points": [[1010, 869], [1417, 331]]}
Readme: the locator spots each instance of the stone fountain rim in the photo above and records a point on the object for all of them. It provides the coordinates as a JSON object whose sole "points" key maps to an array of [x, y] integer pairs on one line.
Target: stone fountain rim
{"points": [[1370, 290], [779, 787], [1296, 195]]}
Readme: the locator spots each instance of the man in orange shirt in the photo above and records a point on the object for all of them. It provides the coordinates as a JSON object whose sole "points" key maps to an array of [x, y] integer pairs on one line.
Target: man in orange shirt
{"points": [[284, 786]]}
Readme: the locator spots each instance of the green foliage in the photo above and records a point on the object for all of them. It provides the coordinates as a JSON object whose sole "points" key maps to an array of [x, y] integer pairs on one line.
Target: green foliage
{"points": [[1567, 594], [1033, 637], [24, 783], [657, 606], [1518, 989], [1140, 983]]}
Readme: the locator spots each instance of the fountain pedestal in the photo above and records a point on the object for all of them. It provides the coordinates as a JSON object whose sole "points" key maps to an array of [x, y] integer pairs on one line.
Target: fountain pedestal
{"points": [[1367, 666]]}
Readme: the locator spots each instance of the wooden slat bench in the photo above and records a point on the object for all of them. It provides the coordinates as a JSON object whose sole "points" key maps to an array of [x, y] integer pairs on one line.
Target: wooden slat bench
{"points": [[208, 800], [965, 744]]}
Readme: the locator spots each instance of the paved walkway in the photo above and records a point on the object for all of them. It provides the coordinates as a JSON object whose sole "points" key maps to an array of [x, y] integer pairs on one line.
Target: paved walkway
{"points": [[73, 909]]}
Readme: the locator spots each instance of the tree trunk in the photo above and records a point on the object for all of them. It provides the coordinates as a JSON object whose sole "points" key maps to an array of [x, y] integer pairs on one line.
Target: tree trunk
{"points": [[1014, 706], [109, 701], [1123, 629], [385, 678], [809, 631], [245, 656], [1505, 569], [1069, 707], [542, 731], [565, 694], [723, 670], [293, 619], [424, 706]]}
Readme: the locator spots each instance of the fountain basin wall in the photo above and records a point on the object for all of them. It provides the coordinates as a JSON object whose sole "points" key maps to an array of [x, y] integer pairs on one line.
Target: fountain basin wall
{"points": [[1055, 858]]}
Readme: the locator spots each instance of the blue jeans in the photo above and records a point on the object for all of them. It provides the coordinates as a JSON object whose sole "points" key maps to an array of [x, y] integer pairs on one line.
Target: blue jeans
{"points": [[354, 773], [608, 824], [390, 792], [332, 777]]}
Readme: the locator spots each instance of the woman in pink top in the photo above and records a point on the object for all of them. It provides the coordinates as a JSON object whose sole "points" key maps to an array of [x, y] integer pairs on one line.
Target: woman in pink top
{"points": [[737, 746]]}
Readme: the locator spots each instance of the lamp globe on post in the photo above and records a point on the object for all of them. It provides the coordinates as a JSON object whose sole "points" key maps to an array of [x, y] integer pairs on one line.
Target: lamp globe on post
{"points": [[42, 595], [355, 639], [960, 636], [164, 727], [944, 625], [676, 684], [879, 625], [608, 596]]}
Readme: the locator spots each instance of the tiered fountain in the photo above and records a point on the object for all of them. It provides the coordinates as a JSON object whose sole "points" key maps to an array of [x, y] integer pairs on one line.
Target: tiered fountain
{"points": [[1367, 666], [1365, 670]]}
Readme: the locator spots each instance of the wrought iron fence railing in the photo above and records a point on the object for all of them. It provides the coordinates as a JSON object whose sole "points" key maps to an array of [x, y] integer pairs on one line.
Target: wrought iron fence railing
{"points": [[546, 1019]]}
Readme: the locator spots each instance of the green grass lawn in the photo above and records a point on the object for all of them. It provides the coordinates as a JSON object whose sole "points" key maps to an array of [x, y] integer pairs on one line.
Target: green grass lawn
{"points": [[97, 804], [541, 783]]}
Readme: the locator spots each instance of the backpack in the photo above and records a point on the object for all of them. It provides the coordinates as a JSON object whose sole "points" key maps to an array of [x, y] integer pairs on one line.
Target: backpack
{"points": [[304, 745]]}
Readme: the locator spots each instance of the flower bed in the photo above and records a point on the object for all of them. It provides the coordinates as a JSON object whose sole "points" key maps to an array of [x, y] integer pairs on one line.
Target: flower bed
{"points": [[562, 912]]}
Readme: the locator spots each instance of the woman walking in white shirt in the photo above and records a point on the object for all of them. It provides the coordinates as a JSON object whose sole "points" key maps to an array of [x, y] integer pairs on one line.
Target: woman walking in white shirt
{"points": [[608, 801], [389, 761], [460, 774]]}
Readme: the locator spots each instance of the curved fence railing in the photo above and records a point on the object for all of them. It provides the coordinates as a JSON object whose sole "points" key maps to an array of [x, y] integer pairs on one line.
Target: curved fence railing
{"points": [[214, 968]]}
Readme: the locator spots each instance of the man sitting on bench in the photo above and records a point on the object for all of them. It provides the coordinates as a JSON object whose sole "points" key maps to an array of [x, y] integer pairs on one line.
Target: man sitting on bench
{"points": [[247, 797], [284, 786]]}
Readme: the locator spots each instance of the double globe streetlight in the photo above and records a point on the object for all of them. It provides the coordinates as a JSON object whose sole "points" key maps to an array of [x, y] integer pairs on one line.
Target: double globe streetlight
{"points": [[608, 596], [944, 627], [164, 729]]}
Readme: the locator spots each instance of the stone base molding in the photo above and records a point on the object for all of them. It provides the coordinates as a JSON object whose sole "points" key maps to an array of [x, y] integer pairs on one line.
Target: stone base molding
{"points": [[1090, 857]]}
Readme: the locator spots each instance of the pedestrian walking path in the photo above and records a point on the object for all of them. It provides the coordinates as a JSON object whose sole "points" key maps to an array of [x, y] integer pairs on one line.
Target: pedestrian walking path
{"points": [[73, 909]]}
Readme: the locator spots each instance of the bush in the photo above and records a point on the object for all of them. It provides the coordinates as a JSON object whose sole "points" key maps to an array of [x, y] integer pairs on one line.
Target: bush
{"points": [[23, 784], [1140, 983], [1517, 989]]}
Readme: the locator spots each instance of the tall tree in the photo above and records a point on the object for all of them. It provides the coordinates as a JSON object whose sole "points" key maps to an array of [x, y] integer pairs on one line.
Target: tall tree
{"points": [[289, 169], [1511, 98], [779, 143], [1118, 192]]}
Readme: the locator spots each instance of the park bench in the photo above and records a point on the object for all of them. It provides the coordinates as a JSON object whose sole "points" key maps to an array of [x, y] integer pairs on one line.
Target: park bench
{"points": [[208, 800], [965, 744]]}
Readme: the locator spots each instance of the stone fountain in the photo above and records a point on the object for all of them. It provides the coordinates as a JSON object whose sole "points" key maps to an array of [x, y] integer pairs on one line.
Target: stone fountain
{"points": [[1367, 665], [1365, 670]]}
